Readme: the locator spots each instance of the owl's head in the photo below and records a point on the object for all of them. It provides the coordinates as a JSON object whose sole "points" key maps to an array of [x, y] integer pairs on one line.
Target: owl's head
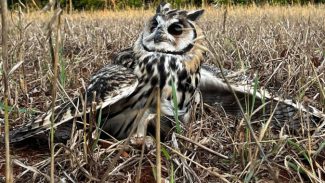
{"points": [[170, 30]]}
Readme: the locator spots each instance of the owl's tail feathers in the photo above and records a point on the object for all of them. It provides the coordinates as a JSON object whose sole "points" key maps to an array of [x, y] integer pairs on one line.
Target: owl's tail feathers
{"points": [[259, 103]]}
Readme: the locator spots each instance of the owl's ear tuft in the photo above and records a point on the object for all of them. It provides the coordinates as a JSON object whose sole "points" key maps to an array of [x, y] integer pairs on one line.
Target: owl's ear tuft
{"points": [[195, 14], [163, 7]]}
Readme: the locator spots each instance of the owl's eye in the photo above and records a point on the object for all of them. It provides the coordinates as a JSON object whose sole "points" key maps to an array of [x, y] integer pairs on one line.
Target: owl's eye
{"points": [[175, 29], [154, 25]]}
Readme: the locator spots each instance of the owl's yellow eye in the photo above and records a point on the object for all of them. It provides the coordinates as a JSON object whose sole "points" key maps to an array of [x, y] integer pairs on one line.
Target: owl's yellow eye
{"points": [[175, 29]]}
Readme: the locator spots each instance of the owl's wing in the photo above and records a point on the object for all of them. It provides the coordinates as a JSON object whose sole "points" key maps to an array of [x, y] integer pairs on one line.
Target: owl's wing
{"points": [[216, 91], [126, 58], [107, 86]]}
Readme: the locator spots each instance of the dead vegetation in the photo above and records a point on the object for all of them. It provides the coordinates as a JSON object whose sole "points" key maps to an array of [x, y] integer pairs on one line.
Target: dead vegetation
{"points": [[284, 46]]}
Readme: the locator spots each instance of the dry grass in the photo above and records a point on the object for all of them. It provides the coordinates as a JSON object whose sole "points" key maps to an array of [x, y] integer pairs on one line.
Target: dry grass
{"points": [[284, 45]]}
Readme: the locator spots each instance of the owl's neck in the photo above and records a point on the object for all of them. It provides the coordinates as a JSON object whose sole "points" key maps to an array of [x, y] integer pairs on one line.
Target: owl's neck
{"points": [[191, 59]]}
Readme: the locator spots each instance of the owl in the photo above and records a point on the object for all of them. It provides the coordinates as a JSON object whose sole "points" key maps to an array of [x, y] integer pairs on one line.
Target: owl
{"points": [[166, 57]]}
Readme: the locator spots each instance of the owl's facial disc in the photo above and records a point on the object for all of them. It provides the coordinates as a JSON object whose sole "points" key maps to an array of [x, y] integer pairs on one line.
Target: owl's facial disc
{"points": [[171, 31]]}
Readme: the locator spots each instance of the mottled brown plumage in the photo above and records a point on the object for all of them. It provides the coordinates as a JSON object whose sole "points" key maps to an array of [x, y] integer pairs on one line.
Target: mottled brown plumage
{"points": [[164, 54]]}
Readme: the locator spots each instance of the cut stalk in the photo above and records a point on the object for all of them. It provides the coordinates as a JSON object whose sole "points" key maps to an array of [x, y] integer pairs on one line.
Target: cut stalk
{"points": [[55, 61], [158, 151], [4, 14]]}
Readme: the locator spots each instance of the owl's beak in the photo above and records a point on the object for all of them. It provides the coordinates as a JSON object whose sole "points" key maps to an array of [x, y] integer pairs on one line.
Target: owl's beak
{"points": [[158, 36]]}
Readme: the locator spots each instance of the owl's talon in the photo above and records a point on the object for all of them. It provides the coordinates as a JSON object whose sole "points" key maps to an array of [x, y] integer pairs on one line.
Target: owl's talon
{"points": [[138, 140]]}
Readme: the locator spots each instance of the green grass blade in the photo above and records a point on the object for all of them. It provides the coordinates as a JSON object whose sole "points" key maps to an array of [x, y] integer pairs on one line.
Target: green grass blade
{"points": [[168, 157], [63, 75], [300, 150], [165, 153], [175, 103], [172, 180], [20, 110]]}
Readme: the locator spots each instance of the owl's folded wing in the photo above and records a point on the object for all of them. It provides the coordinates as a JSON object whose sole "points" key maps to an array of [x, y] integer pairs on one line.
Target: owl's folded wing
{"points": [[107, 86]]}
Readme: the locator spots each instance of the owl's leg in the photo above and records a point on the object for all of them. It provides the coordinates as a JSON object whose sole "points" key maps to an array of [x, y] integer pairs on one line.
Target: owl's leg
{"points": [[142, 126], [140, 137]]}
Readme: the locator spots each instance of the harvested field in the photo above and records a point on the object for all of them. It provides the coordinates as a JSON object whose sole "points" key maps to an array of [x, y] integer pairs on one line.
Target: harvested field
{"points": [[283, 46]]}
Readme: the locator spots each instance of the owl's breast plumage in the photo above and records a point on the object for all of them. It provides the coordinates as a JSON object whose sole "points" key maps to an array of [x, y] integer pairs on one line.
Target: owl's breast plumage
{"points": [[166, 71]]}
